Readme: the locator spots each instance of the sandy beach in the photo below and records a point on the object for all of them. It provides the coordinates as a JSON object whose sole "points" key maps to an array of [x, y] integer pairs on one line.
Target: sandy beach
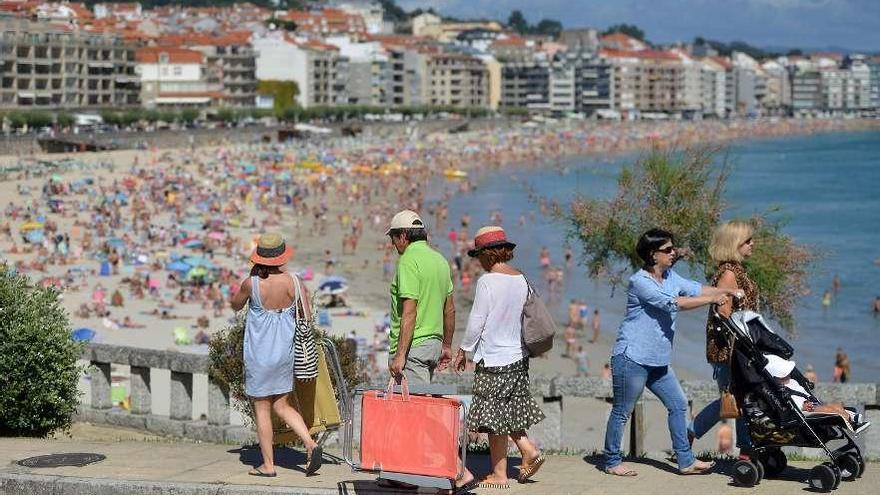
{"points": [[173, 229]]}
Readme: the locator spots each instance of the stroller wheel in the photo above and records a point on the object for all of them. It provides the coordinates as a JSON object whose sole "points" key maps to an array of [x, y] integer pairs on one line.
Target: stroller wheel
{"points": [[822, 478], [850, 467], [775, 463], [746, 474], [759, 465]]}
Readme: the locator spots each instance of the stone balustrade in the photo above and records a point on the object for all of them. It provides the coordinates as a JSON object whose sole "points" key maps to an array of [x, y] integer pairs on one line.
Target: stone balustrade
{"points": [[551, 392]]}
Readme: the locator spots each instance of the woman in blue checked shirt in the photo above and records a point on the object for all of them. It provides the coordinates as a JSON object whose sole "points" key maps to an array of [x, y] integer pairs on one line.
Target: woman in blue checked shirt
{"points": [[642, 353]]}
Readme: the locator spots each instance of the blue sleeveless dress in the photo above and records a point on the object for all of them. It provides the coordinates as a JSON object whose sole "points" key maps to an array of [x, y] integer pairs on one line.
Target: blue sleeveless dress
{"points": [[268, 346]]}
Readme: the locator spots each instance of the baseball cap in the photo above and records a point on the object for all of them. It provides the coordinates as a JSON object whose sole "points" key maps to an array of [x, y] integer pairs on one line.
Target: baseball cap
{"points": [[778, 367], [406, 219]]}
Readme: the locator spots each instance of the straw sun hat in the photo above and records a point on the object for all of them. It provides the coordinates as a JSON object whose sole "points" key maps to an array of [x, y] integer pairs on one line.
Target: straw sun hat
{"points": [[489, 237], [271, 250]]}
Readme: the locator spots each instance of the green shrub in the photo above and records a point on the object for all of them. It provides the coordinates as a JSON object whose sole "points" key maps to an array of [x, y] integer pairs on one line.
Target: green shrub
{"points": [[65, 119], [17, 119], [682, 192], [38, 360], [226, 351]]}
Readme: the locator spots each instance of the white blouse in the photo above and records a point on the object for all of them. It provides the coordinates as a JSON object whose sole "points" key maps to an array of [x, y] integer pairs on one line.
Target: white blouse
{"points": [[494, 329]]}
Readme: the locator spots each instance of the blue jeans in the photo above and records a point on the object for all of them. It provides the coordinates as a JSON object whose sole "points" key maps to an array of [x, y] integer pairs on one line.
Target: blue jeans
{"points": [[710, 415], [629, 379]]}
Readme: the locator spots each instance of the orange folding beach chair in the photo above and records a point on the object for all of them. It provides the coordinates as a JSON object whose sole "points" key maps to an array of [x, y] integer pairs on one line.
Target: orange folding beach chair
{"points": [[414, 438]]}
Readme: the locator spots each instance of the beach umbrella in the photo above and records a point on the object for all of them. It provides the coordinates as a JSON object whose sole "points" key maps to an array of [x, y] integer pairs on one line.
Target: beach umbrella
{"points": [[82, 335], [35, 236], [194, 243], [216, 235], [30, 226], [178, 266], [197, 272]]}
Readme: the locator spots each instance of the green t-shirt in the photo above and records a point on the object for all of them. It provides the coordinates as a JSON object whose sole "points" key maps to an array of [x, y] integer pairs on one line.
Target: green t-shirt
{"points": [[423, 275]]}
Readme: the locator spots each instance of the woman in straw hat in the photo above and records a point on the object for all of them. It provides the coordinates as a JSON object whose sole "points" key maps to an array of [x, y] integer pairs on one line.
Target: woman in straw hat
{"points": [[503, 406], [274, 297]]}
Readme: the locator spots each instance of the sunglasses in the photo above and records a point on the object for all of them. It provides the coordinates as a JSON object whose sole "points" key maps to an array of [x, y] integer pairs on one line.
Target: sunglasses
{"points": [[667, 250], [747, 241]]}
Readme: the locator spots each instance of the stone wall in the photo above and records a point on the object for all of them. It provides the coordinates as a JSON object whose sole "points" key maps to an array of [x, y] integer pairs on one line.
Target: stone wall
{"points": [[163, 139], [576, 408]]}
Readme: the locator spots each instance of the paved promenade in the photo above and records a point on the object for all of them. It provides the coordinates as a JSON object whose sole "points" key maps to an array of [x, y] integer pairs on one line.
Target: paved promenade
{"points": [[138, 464]]}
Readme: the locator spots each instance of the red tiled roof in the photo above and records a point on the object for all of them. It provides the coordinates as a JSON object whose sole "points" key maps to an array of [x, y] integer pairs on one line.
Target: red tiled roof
{"points": [[510, 41], [150, 55], [392, 40], [201, 39], [640, 54]]}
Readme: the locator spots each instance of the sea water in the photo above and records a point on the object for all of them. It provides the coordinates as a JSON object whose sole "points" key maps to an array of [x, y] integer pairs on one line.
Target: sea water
{"points": [[825, 188]]}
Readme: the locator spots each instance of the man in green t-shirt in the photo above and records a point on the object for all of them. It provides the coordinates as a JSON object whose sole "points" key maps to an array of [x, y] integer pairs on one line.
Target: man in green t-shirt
{"points": [[422, 309]]}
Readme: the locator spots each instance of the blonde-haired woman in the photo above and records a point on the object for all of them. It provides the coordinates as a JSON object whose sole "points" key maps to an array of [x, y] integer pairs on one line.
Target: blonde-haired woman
{"points": [[731, 245]]}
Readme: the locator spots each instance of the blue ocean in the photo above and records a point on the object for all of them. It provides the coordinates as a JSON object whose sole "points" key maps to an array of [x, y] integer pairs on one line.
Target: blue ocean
{"points": [[825, 188]]}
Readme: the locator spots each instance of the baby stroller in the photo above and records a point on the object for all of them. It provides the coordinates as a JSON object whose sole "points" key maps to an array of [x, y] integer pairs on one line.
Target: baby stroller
{"points": [[774, 420]]}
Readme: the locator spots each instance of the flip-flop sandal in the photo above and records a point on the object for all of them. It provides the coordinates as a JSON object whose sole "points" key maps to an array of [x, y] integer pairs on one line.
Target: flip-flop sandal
{"points": [[532, 467], [257, 472], [629, 473], [493, 486], [315, 460]]}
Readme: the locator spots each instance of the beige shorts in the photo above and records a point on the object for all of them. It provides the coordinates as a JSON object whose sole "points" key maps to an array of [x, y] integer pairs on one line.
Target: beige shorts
{"points": [[421, 361]]}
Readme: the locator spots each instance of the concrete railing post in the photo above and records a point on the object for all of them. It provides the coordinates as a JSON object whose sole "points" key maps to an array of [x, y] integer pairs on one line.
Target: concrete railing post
{"points": [[218, 404], [637, 430], [181, 395], [141, 395], [101, 393]]}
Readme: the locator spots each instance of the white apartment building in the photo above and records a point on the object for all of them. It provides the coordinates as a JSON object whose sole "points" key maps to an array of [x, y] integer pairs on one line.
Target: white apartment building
{"points": [[857, 91], [317, 68], [777, 95], [174, 77], [691, 98], [562, 87], [833, 83], [714, 87], [368, 68], [370, 10]]}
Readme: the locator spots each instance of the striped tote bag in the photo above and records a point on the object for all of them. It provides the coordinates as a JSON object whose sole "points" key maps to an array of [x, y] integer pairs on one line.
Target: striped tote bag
{"points": [[305, 353]]}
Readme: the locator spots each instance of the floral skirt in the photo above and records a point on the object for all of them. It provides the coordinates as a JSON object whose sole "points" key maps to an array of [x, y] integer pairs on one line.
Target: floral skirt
{"points": [[502, 402]]}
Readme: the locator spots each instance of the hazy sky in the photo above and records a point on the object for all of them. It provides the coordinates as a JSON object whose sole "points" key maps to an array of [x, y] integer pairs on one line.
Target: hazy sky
{"points": [[851, 24]]}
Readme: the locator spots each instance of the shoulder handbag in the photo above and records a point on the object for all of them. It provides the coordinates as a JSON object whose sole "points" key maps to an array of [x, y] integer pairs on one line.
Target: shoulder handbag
{"points": [[305, 354], [729, 408], [538, 327]]}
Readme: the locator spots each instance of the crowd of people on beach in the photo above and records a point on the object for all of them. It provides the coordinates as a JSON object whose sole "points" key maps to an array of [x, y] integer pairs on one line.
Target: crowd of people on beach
{"points": [[167, 236]]}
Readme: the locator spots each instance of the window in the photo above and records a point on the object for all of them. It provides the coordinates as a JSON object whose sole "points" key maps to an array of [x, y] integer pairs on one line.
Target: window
{"points": [[178, 70]]}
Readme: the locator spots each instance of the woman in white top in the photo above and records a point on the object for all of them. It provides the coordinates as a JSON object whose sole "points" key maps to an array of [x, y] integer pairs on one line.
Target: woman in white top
{"points": [[502, 405]]}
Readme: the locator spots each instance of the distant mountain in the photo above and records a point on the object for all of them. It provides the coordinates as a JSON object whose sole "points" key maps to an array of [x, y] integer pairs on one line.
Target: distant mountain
{"points": [[829, 48]]}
